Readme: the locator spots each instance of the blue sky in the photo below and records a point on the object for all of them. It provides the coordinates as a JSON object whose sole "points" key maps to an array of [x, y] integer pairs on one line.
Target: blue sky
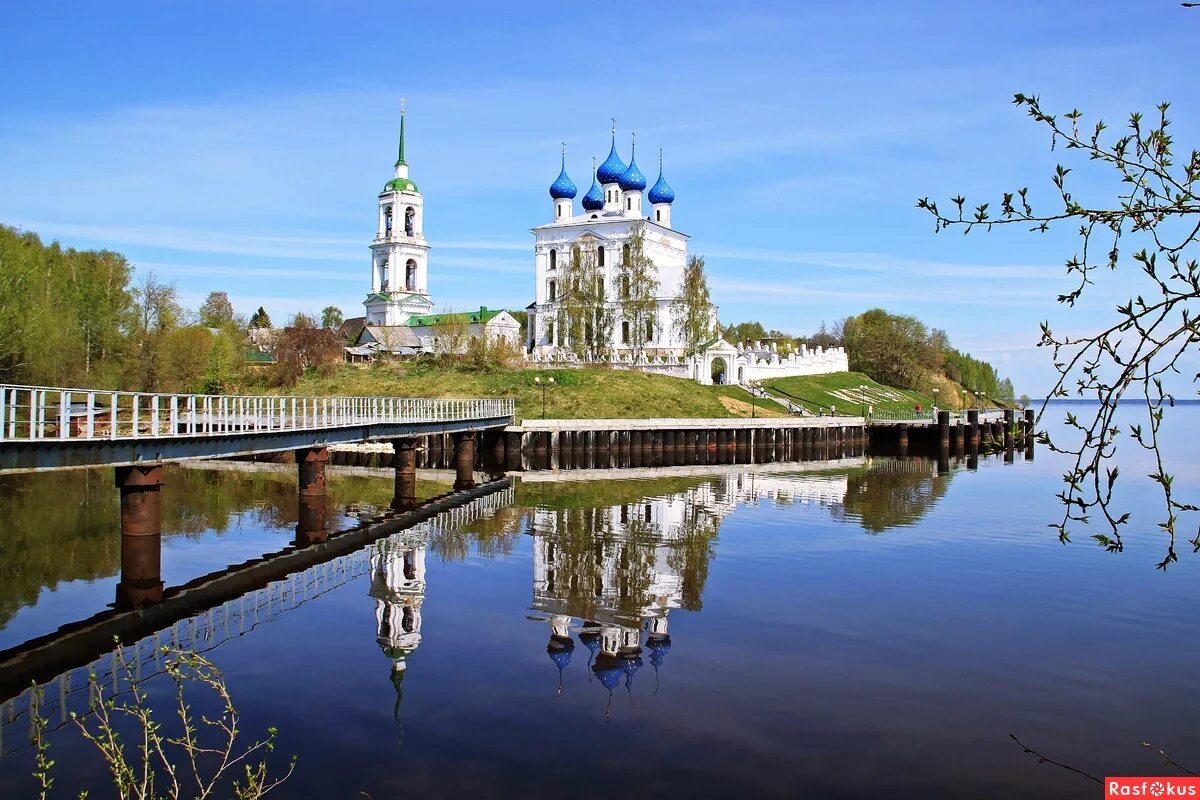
{"points": [[241, 146]]}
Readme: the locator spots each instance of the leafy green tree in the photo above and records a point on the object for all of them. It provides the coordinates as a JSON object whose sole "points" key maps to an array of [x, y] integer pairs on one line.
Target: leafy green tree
{"points": [[638, 292], [216, 311], [184, 359], [225, 362], [62, 312], [585, 317], [156, 312], [692, 311], [1150, 226], [892, 348], [332, 317]]}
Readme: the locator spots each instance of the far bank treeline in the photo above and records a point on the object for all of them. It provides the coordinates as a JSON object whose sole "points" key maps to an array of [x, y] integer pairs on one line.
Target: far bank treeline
{"points": [[77, 318], [896, 350]]}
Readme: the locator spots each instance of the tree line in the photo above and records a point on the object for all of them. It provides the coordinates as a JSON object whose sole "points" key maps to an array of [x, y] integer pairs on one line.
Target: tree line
{"points": [[80, 318], [897, 349]]}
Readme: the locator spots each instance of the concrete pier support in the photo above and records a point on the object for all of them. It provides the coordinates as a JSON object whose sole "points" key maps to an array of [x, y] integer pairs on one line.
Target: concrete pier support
{"points": [[464, 460], [141, 535], [404, 498], [311, 462]]}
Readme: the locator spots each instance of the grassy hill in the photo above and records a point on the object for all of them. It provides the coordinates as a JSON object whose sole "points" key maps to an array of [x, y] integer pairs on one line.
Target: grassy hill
{"points": [[576, 394], [842, 390]]}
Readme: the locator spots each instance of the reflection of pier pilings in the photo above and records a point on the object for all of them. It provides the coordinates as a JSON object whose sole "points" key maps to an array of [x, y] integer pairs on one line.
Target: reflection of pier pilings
{"points": [[208, 611]]}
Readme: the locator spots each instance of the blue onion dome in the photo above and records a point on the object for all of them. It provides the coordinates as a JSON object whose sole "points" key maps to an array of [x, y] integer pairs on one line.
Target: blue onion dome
{"points": [[633, 179], [661, 192], [594, 199], [563, 187], [613, 167]]}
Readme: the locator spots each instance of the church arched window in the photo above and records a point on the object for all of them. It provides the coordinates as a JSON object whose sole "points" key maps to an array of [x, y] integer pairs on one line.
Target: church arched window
{"points": [[553, 289], [625, 331], [387, 221], [410, 275], [553, 258], [410, 216], [600, 256], [384, 279], [649, 330], [625, 253], [658, 215]]}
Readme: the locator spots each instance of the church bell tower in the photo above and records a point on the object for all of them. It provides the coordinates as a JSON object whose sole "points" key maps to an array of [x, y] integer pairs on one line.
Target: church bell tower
{"points": [[399, 254]]}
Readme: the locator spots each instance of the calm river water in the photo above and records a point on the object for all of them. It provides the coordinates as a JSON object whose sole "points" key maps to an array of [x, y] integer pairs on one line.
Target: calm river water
{"points": [[869, 628]]}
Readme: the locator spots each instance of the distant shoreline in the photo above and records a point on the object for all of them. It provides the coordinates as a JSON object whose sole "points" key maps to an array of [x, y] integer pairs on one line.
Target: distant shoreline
{"points": [[1080, 401]]}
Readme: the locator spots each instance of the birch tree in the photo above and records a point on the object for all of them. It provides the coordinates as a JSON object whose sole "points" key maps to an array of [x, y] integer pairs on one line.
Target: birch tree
{"points": [[692, 309], [639, 292], [585, 317]]}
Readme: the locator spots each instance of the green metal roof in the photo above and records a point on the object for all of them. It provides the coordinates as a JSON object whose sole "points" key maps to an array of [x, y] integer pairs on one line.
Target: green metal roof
{"points": [[258, 357], [432, 320], [400, 185]]}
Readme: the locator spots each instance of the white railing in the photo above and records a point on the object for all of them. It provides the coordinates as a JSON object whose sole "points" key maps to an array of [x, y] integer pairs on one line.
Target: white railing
{"points": [[956, 417], [35, 413]]}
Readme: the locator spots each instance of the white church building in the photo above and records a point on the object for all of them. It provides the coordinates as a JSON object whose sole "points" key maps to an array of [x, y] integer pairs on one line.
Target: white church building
{"points": [[612, 212], [400, 318]]}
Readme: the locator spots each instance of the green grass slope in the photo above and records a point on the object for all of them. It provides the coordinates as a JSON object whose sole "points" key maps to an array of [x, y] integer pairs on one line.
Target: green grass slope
{"points": [[584, 393], [842, 390]]}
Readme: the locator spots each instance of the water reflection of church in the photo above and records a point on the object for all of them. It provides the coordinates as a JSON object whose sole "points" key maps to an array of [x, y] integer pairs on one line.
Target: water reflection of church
{"points": [[608, 578], [615, 574], [398, 586]]}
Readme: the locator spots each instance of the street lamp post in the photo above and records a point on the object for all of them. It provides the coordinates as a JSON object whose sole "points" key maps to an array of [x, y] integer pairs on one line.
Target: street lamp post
{"points": [[935, 393], [548, 382], [862, 398]]}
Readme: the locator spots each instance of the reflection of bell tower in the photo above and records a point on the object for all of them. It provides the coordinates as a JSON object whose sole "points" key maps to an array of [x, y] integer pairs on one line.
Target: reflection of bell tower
{"points": [[398, 586], [399, 253]]}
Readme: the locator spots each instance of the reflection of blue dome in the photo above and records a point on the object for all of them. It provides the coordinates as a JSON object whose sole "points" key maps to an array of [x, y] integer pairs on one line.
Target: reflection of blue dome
{"points": [[563, 187], [613, 167], [661, 192], [632, 665], [594, 199], [658, 646], [559, 650], [591, 640], [632, 179], [610, 677]]}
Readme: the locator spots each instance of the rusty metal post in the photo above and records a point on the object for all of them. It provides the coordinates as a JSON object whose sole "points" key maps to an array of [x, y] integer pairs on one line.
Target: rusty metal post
{"points": [[311, 462], [141, 535], [311, 527], [404, 498], [464, 460], [943, 426]]}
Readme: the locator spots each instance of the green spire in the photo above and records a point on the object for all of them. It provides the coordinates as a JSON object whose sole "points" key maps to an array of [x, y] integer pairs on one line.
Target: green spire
{"points": [[400, 158]]}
